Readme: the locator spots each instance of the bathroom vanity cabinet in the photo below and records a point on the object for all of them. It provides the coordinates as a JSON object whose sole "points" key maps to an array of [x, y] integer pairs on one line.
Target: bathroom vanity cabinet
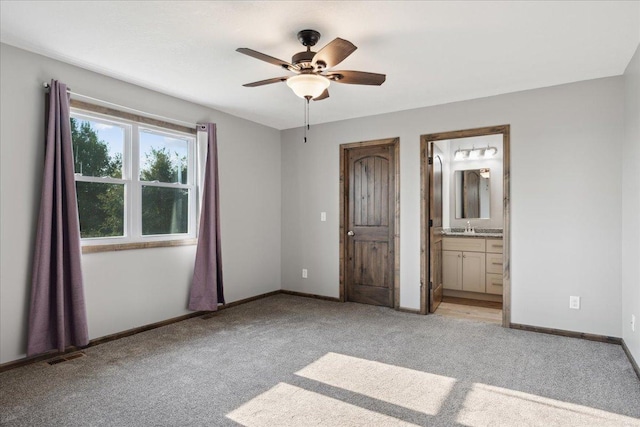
{"points": [[472, 264]]}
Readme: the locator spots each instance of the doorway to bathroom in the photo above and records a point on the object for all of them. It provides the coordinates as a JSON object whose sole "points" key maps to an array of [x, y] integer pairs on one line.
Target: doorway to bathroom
{"points": [[465, 224]]}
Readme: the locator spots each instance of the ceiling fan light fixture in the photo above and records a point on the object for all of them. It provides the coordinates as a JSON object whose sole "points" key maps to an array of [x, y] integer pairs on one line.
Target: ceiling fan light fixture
{"points": [[308, 85]]}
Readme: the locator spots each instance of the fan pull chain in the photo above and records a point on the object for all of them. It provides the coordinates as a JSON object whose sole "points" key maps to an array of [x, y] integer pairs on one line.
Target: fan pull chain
{"points": [[306, 120]]}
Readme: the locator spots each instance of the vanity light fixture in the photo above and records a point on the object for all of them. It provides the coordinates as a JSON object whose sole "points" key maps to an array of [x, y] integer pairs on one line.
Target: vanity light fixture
{"points": [[460, 154], [474, 153], [490, 152]]}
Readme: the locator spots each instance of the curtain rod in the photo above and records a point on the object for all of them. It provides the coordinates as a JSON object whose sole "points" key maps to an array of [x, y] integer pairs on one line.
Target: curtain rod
{"points": [[169, 119]]}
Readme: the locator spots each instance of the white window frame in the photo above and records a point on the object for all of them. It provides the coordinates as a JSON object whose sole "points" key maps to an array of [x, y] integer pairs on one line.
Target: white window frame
{"points": [[133, 185]]}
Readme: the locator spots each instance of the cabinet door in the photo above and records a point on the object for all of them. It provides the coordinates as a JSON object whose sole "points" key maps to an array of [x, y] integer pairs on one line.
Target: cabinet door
{"points": [[473, 271], [452, 270]]}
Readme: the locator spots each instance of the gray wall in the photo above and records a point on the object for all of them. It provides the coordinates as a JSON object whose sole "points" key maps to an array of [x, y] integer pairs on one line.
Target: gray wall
{"points": [[566, 148], [568, 160], [631, 207], [130, 288]]}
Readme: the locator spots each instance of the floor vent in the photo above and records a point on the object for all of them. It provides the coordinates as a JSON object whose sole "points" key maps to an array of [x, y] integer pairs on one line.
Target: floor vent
{"points": [[65, 358]]}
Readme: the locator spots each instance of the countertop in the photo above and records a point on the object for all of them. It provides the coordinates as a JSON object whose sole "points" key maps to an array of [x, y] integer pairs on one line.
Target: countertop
{"points": [[480, 232]]}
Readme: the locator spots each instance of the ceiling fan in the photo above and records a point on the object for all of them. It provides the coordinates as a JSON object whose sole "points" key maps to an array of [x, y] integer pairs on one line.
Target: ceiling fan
{"points": [[312, 69]]}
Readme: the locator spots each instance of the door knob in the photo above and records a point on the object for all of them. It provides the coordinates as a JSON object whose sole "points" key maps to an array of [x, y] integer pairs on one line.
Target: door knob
{"points": [[351, 233]]}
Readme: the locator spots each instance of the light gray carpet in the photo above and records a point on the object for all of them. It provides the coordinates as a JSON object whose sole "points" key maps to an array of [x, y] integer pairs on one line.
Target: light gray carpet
{"points": [[287, 360]]}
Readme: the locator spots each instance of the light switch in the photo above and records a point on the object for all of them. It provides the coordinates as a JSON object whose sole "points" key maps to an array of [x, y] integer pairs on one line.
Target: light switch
{"points": [[323, 216]]}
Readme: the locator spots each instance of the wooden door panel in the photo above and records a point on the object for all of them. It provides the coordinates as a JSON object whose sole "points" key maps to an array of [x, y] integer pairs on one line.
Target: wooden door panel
{"points": [[371, 264], [355, 194], [370, 234], [368, 295], [369, 273], [371, 188], [436, 286], [384, 192], [471, 190]]}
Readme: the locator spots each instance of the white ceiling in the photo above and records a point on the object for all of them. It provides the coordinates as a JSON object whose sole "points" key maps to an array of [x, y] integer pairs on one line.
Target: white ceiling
{"points": [[432, 52]]}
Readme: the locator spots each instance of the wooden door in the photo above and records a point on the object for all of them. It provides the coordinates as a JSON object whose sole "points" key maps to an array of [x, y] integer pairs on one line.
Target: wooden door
{"points": [[435, 229], [369, 274]]}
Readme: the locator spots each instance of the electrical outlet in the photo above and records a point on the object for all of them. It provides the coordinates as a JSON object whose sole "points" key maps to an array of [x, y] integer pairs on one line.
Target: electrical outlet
{"points": [[323, 216], [304, 273], [633, 323], [574, 303]]}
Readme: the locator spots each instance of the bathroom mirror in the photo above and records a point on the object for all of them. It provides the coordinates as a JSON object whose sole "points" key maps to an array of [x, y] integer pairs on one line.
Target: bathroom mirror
{"points": [[472, 193]]}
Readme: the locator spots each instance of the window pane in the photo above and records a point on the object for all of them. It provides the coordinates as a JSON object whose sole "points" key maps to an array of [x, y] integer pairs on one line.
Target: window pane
{"points": [[97, 148], [101, 209], [163, 158], [164, 210]]}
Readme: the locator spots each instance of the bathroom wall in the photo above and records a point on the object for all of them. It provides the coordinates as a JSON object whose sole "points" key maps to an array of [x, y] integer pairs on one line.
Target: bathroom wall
{"points": [[496, 211]]}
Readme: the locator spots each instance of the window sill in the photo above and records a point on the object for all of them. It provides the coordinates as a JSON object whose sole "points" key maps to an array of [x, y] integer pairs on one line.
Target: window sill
{"points": [[92, 249]]}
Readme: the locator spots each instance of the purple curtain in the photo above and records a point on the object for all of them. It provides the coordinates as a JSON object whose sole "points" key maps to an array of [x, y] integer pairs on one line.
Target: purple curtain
{"points": [[206, 289], [57, 316]]}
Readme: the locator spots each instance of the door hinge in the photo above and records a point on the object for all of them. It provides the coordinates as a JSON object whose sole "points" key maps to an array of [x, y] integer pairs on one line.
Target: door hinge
{"points": [[430, 223], [430, 160], [430, 285]]}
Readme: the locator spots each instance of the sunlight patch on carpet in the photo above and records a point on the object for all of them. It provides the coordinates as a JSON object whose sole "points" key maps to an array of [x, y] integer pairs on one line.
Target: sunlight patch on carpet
{"points": [[286, 405], [485, 404], [411, 389], [476, 404]]}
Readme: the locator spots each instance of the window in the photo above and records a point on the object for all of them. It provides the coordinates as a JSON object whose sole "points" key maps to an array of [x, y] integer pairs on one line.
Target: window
{"points": [[135, 182]]}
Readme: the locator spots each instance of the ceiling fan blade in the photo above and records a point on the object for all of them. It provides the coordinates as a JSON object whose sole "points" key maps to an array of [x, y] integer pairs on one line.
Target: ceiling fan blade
{"points": [[356, 77], [266, 58], [333, 53], [266, 82], [323, 95]]}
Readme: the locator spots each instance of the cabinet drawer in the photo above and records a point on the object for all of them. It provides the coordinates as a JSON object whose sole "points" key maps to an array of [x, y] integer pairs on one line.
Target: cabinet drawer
{"points": [[494, 283], [494, 263], [469, 244], [494, 246]]}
